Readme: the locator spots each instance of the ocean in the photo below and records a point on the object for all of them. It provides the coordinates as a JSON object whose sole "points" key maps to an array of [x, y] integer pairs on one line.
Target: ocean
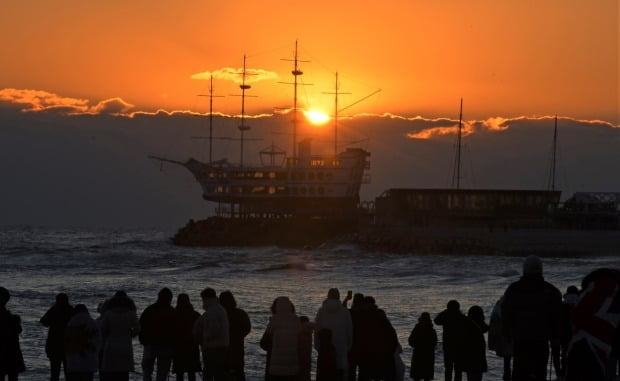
{"points": [[90, 265]]}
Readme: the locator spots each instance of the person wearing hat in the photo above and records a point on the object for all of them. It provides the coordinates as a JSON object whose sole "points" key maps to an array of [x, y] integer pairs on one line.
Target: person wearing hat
{"points": [[334, 316], [531, 314]]}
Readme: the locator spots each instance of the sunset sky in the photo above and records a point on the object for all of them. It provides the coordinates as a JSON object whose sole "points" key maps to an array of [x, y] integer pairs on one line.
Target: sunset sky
{"points": [[506, 58]]}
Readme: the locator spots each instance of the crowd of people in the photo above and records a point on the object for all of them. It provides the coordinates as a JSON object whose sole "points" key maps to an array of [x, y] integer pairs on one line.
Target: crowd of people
{"points": [[529, 325]]}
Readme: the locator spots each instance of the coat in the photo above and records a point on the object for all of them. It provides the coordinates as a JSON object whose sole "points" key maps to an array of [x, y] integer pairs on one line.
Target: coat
{"points": [[11, 359], [118, 326], [334, 316], [239, 327], [82, 343], [187, 353], [281, 339], [423, 339], [531, 310], [56, 319], [211, 329], [157, 325], [497, 342]]}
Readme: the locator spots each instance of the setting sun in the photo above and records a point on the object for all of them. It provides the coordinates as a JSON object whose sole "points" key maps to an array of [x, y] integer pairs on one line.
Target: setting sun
{"points": [[316, 117]]}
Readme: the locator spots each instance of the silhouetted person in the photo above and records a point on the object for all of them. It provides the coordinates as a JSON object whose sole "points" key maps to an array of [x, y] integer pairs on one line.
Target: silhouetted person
{"points": [[531, 320], [497, 341], [11, 359], [187, 352], [451, 319], [211, 330], [326, 364], [119, 325], [239, 327], [56, 319], [595, 324], [423, 340], [281, 340], [473, 358], [334, 316], [378, 344], [157, 334], [82, 342], [305, 348], [356, 311], [570, 299]]}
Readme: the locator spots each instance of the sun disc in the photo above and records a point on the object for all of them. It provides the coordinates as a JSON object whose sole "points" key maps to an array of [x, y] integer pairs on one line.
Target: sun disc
{"points": [[316, 117]]}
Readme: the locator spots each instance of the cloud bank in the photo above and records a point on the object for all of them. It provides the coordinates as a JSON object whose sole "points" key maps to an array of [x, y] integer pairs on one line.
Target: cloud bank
{"points": [[236, 75], [68, 161]]}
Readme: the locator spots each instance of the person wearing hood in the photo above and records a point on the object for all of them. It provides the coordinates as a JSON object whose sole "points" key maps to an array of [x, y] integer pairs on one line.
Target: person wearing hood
{"points": [[187, 353], [56, 319], [281, 341], [423, 340], [531, 320], [334, 316], [212, 331], [474, 360], [119, 325], [570, 299], [82, 342], [497, 341], [239, 326], [157, 334], [11, 359]]}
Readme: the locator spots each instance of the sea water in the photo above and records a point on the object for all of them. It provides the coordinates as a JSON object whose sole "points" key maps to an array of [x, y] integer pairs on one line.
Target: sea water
{"points": [[90, 265]]}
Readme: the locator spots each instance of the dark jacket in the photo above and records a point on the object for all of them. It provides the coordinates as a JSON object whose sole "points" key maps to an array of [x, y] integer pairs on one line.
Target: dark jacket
{"points": [[11, 359], [56, 319], [531, 310], [472, 357], [423, 339], [187, 352], [157, 324], [239, 327]]}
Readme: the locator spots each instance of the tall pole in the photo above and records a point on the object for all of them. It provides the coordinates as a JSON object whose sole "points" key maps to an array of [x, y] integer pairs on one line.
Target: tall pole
{"points": [[554, 153], [296, 73], [243, 127], [456, 178], [336, 111], [211, 119], [336, 119]]}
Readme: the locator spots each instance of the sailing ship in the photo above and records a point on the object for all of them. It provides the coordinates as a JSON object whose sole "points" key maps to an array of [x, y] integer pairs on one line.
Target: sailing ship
{"points": [[283, 186]]}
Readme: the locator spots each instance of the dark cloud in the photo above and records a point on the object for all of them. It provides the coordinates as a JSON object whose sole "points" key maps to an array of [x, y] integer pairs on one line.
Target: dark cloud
{"points": [[91, 168]]}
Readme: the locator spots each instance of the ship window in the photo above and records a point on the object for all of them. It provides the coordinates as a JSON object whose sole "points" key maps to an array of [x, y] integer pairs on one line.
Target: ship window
{"points": [[329, 176], [302, 190], [320, 176], [282, 190], [294, 190], [281, 175], [258, 175], [272, 175], [321, 190], [310, 176], [302, 175], [311, 190], [272, 190], [211, 175], [258, 190]]}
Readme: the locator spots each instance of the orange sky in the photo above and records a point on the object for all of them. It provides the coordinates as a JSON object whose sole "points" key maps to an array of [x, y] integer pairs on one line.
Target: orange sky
{"points": [[505, 58]]}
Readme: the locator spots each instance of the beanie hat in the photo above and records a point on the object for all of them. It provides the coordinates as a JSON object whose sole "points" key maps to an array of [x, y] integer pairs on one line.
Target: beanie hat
{"points": [[532, 266]]}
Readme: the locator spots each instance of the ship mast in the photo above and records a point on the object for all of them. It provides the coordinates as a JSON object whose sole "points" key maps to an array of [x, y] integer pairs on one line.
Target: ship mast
{"points": [[335, 94], [242, 127], [296, 73], [211, 96], [456, 175], [551, 182]]}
